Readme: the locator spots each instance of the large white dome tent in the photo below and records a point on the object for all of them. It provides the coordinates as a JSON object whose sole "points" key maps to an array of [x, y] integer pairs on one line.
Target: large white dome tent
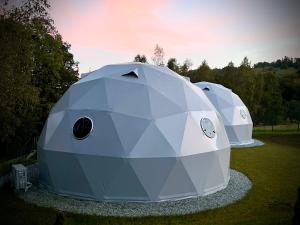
{"points": [[236, 117], [134, 132]]}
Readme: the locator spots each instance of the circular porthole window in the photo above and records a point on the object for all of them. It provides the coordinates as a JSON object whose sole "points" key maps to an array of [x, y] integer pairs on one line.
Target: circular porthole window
{"points": [[208, 127], [82, 127], [243, 113]]}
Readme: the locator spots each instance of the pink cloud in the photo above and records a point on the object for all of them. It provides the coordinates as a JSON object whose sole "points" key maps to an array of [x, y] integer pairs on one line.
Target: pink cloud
{"points": [[115, 30], [133, 26]]}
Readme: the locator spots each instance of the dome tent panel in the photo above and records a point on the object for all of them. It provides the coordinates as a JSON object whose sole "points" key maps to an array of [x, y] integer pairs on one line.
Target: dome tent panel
{"points": [[162, 106], [174, 189], [152, 177], [136, 134], [172, 127], [129, 96], [106, 168], [129, 129], [152, 144], [235, 115], [87, 96]]}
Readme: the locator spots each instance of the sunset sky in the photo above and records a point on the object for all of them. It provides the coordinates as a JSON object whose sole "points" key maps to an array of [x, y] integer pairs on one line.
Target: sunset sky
{"points": [[113, 31]]}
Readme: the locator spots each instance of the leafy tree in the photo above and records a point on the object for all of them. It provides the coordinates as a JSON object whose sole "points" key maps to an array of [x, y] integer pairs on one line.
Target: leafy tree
{"points": [[55, 69], [290, 86], [271, 100], [140, 58], [203, 73], [284, 63], [36, 68], [18, 97], [187, 64], [172, 64], [158, 57], [230, 64], [246, 62], [294, 111]]}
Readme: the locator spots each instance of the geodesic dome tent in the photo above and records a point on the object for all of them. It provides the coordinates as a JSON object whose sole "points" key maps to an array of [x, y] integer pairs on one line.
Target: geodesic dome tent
{"points": [[235, 114], [133, 132]]}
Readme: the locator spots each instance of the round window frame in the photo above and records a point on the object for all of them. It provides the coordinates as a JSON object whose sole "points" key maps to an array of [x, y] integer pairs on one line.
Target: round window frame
{"points": [[205, 133], [88, 132]]}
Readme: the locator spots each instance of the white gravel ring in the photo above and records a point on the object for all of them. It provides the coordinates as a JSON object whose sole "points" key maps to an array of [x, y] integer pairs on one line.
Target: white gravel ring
{"points": [[237, 188], [255, 143]]}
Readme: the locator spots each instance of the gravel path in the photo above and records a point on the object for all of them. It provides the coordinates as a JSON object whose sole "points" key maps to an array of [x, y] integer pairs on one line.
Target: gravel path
{"points": [[237, 188]]}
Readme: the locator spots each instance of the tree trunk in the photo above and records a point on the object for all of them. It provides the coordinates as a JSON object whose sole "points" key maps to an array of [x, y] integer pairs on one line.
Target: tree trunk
{"points": [[272, 127]]}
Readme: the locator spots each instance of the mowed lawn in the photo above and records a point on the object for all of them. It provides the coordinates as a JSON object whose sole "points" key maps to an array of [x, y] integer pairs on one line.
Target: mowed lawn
{"points": [[273, 168]]}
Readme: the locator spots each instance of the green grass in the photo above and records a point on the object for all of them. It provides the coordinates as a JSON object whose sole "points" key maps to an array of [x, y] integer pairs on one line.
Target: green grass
{"points": [[273, 168]]}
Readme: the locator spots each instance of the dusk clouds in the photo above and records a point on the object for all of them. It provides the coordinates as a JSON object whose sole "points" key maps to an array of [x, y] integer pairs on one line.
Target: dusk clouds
{"points": [[112, 31]]}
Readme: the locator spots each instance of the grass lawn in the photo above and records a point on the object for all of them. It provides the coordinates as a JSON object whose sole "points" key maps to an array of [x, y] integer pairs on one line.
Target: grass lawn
{"points": [[273, 168]]}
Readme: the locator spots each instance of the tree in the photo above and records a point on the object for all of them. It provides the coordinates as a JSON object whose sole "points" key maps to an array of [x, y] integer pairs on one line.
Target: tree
{"points": [[230, 64], [173, 65], [290, 86], [140, 58], [294, 111], [18, 97], [36, 68], [271, 100], [202, 73], [187, 64], [246, 62], [158, 58], [55, 69]]}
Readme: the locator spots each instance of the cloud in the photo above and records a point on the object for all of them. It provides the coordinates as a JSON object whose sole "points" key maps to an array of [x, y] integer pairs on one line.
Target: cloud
{"points": [[217, 30], [136, 26]]}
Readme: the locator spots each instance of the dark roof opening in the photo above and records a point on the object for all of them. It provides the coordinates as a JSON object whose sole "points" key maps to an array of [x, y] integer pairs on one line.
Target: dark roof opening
{"points": [[206, 89], [131, 74]]}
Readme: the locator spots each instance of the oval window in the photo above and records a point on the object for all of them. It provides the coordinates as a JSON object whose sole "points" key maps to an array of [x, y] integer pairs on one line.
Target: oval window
{"points": [[208, 127], [82, 127]]}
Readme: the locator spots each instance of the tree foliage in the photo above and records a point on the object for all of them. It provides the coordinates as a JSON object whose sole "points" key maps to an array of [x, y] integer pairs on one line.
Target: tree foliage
{"points": [[186, 66], [172, 64], [140, 58], [35, 70], [283, 63], [294, 111]]}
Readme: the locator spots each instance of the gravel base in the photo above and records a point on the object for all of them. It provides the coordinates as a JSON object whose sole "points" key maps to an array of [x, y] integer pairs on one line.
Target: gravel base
{"points": [[256, 143], [237, 188]]}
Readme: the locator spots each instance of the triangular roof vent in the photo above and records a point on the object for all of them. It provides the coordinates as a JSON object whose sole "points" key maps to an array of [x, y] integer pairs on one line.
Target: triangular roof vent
{"points": [[133, 74]]}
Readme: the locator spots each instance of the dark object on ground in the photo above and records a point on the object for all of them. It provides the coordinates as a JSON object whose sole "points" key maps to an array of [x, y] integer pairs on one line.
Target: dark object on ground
{"points": [[296, 218], [60, 219]]}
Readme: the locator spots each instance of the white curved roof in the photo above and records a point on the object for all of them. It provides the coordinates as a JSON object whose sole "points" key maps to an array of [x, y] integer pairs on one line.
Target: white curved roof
{"points": [[235, 114], [146, 141]]}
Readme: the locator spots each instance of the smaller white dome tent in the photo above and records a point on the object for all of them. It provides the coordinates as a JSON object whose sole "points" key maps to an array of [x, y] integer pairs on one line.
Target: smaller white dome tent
{"points": [[235, 114], [134, 132]]}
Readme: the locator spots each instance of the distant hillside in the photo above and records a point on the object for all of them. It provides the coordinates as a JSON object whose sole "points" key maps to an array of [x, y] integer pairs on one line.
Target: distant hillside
{"points": [[282, 66], [279, 71]]}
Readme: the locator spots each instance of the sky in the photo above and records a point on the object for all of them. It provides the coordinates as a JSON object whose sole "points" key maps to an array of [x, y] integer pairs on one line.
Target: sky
{"points": [[114, 31]]}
